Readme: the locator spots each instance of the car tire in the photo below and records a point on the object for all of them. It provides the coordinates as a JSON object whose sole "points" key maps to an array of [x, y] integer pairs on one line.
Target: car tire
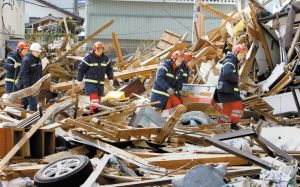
{"points": [[71, 171]]}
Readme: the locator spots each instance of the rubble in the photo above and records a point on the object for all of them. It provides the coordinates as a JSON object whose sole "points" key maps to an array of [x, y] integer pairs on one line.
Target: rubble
{"points": [[127, 143]]}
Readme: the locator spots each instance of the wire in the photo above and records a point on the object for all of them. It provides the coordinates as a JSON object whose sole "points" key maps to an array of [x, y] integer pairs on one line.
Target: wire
{"points": [[45, 6], [11, 4]]}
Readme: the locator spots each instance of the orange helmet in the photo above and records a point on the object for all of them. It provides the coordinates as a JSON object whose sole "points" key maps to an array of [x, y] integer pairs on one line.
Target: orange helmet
{"points": [[98, 45], [241, 48], [23, 45], [177, 54], [188, 56]]}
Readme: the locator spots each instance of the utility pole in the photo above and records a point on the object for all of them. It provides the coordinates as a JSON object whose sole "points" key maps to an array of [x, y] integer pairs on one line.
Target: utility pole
{"points": [[198, 20], [75, 7], [196, 10]]}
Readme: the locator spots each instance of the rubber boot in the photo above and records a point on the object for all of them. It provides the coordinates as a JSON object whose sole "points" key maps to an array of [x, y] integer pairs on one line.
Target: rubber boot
{"points": [[234, 126]]}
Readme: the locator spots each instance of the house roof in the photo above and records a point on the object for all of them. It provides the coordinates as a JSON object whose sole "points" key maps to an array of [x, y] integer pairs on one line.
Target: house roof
{"points": [[74, 16], [49, 17]]}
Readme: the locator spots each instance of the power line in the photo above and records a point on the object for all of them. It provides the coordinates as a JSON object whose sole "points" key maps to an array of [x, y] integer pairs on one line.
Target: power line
{"points": [[45, 6]]}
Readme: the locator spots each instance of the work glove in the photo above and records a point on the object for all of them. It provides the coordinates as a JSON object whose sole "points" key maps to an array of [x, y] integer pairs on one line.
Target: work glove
{"points": [[81, 84], [111, 83], [171, 91], [17, 65]]}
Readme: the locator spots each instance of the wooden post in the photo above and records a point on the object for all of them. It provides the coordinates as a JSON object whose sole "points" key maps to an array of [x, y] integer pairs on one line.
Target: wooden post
{"points": [[121, 64], [170, 124], [201, 21]]}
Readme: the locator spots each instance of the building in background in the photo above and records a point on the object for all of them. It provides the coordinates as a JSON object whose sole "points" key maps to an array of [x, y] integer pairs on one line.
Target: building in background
{"points": [[137, 21], [36, 9], [12, 24]]}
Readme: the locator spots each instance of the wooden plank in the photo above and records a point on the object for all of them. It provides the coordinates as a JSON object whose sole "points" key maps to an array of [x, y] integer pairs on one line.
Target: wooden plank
{"points": [[146, 132], [149, 61], [50, 111], [62, 86], [201, 21], [261, 36], [218, 30], [100, 164], [246, 67], [188, 160], [8, 118], [281, 84], [121, 63], [170, 124], [266, 115], [32, 90], [216, 12], [120, 153], [136, 71], [92, 129]]}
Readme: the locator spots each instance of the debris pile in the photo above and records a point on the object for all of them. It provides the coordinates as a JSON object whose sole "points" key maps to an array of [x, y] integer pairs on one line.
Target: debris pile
{"points": [[129, 143]]}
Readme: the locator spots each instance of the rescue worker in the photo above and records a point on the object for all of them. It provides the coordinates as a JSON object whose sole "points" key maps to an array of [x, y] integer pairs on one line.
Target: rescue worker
{"points": [[227, 91], [12, 66], [93, 68], [31, 72], [183, 77], [164, 87]]}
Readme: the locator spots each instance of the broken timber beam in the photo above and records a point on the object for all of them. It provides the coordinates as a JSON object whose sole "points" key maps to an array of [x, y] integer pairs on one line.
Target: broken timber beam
{"points": [[170, 124], [281, 84], [100, 164], [261, 36], [216, 12], [32, 90], [246, 67], [217, 31], [136, 71], [121, 64], [120, 153], [50, 111]]}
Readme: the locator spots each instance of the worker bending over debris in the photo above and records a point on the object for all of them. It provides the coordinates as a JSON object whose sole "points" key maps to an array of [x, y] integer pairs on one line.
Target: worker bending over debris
{"points": [[12, 66], [31, 72], [183, 77], [164, 87], [227, 91], [93, 68]]}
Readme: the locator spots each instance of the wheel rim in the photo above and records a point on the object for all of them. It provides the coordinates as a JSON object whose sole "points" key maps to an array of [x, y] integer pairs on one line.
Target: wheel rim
{"points": [[61, 168]]}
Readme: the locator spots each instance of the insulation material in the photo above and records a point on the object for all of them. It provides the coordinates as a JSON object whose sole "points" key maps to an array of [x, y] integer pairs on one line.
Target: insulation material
{"points": [[283, 103]]}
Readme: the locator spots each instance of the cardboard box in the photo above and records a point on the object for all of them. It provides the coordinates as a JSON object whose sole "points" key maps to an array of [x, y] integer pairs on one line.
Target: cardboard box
{"points": [[200, 98]]}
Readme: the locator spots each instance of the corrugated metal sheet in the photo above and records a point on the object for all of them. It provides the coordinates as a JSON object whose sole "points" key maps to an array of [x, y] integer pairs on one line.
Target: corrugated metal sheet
{"points": [[146, 21]]}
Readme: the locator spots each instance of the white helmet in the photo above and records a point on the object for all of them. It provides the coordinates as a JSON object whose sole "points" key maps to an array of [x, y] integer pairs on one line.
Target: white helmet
{"points": [[36, 47]]}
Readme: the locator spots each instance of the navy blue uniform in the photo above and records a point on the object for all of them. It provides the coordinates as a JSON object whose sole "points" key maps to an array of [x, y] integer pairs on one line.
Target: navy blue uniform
{"points": [[166, 77], [183, 76], [31, 72], [227, 89], [11, 71], [93, 69]]}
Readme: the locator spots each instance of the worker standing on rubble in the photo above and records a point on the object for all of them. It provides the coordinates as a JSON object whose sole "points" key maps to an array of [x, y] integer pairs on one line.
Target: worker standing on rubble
{"points": [[12, 66], [93, 68], [184, 71], [31, 72], [227, 91], [164, 87]]}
